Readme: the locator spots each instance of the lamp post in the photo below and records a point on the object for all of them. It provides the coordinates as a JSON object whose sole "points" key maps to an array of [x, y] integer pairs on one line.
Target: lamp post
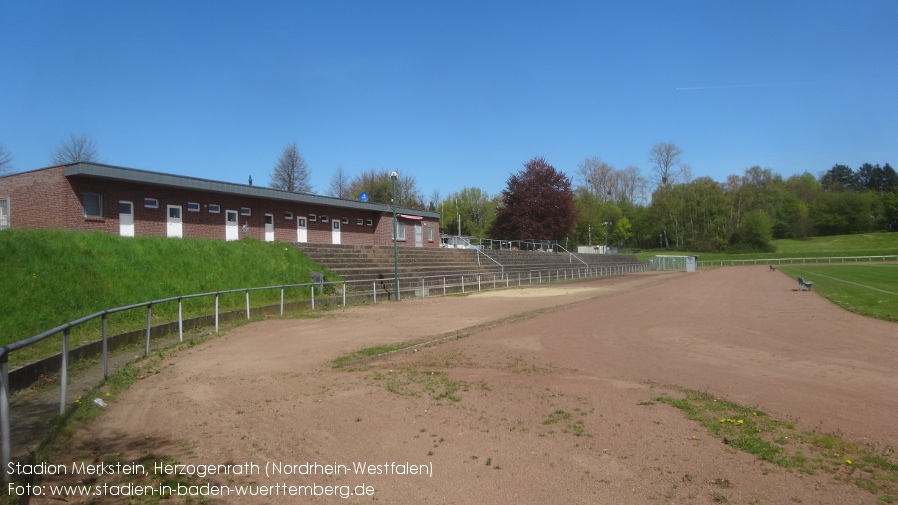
{"points": [[393, 176], [605, 224]]}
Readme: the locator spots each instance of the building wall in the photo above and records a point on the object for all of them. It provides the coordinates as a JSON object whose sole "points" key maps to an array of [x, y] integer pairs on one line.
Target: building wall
{"points": [[47, 199]]}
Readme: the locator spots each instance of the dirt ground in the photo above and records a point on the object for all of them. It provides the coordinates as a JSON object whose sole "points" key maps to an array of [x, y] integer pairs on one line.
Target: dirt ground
{"points": [[473, 415]]}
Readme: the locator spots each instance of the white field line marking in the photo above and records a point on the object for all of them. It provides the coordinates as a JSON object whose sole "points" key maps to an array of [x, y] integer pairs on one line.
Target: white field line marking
{"points": [[848, 282]]}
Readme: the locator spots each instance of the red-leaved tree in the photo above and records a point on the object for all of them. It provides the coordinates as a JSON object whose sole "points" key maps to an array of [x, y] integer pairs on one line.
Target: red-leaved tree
{"points": [[537, 203]]}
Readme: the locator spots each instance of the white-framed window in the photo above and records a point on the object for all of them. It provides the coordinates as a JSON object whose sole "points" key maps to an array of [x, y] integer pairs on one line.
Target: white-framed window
{"points": [[345, 220], [246, 211], [288, 216], [369, 222], [214, 208], [325, 219], [430, 234], [269, 218], [360, 222], [93, 204], [193, 207], [313, 217], [400, 231], [4, 213], [151, 203]]}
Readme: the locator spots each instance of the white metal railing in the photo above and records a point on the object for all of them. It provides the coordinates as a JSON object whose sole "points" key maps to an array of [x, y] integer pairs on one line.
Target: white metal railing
{"points": [[798, 261], [421, 287]]}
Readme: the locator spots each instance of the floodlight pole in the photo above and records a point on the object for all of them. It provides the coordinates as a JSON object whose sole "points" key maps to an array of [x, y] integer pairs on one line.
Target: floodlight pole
{"points": [[393, 176]]}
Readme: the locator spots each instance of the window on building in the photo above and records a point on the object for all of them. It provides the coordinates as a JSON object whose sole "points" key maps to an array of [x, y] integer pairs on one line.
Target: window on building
{"points": [[214, 208], [93, 205], [246, 211], [4, 213], [151, 203], [400, 231], [269, 218], [288, 216], [193, 207], [325, 219], [313, 217], [345, 220], [360, 222], [430, 234], [370, 222]]}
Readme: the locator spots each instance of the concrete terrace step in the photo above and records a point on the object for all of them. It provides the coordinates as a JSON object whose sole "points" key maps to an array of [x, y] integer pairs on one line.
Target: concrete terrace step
{"points": [[365, 263]]}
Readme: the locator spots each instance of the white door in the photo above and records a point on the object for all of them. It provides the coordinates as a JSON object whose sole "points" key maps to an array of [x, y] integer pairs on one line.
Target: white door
{"points": [[419, 235], [126, 218], [269, 227], [301, 230], [175, 226], [335, 234], [231, 231]]}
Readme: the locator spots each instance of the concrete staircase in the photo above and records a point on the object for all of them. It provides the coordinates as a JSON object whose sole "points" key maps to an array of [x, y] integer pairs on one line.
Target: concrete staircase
{"points": [[447, 268]]}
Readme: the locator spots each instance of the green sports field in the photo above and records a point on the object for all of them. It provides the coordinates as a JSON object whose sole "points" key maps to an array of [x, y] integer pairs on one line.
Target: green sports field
{"points": [[868, 289]]}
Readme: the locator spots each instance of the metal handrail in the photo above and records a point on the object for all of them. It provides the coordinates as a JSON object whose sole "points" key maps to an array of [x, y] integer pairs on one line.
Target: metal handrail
{"points": [[533, 276], [571, 255], [479, 252]]}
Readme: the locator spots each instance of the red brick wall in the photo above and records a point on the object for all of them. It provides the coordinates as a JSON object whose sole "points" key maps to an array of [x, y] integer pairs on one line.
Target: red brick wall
{"points": [[47, 199]]}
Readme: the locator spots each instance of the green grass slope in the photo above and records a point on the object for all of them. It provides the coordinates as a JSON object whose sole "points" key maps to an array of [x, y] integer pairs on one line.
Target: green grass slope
{"points": [[50, 277], [862, 244]]}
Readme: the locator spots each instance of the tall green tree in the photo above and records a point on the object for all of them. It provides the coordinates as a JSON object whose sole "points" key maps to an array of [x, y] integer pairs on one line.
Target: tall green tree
{"points": [[537, 203], [474, 207], [840, 178]]}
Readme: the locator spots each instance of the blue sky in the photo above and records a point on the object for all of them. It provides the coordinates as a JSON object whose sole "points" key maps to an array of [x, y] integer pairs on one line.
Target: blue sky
{"points": [[454, 93]]}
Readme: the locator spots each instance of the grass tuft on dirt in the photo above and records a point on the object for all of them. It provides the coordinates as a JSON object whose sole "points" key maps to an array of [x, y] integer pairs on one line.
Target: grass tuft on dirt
{"points": [[779, 442]]}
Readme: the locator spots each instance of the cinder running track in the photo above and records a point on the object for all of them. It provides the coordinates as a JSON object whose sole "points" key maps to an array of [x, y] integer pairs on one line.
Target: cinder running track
{"points": [[478, 411]]}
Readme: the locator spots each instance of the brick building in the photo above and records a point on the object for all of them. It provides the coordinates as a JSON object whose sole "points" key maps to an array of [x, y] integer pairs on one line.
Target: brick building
{"points": [[130, 202]]}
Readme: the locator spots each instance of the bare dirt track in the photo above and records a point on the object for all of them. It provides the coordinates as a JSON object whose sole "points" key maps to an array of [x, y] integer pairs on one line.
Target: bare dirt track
{"points": [[485, 412]]}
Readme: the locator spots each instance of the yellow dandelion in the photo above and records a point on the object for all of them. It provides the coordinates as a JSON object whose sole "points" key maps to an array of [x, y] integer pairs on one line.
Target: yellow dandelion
{"points": [[847, 461], [723, 420], [740, 421], [108, 394]]}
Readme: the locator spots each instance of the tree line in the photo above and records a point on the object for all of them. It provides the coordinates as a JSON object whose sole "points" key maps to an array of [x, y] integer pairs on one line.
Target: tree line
{"points": [[617, 206]]}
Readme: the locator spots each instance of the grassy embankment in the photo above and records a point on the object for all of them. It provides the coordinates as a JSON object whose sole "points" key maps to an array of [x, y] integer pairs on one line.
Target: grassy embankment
{"points": [[50, 277], [863, 244]]}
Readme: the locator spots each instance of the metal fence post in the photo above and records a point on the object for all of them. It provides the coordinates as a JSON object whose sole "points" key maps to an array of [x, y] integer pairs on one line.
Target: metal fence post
{"points": [[282, 301], [422, 287], [344, 293], [180, 320], [313, 297], [462, 283], [64, 374], [216, 312], [149, 325], [374, 290], [105, 350], [247, 305], [444, 285], [5, 436]]}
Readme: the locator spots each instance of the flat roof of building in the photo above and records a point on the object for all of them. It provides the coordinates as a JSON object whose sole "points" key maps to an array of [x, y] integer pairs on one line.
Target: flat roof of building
{"points": [[111, 172]]}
